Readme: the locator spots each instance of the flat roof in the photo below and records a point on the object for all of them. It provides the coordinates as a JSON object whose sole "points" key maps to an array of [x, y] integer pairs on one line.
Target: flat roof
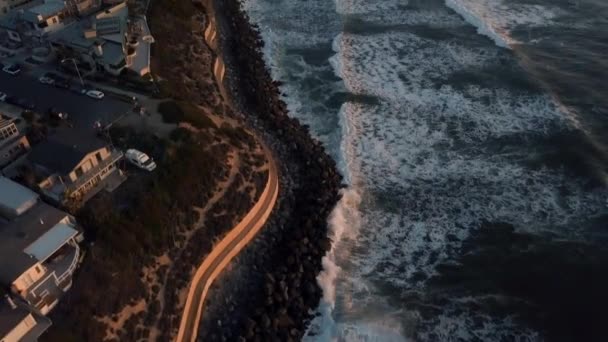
{"points": [[9, 317], [47, 8], [51, 241], [65, 149], [14, 197], [20, 233]]}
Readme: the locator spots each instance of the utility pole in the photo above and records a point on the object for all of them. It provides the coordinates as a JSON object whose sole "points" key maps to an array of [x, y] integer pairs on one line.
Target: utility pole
{"points": [[77, 70]]}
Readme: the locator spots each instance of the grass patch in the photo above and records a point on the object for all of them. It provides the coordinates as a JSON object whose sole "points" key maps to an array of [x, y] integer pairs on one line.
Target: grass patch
{"points": [[176, 112]]}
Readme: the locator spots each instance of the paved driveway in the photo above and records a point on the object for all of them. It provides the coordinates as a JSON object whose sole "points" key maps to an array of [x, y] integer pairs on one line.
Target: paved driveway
{"points": [[83, 110]]}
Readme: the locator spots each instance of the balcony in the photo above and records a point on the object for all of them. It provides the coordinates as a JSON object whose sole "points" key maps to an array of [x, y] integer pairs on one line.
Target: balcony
{"points": [[94, 172], [63, 262], [59, 267]]}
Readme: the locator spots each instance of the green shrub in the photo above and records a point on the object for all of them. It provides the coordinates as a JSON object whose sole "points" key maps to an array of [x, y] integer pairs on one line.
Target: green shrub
{"points": [[175, 112]]}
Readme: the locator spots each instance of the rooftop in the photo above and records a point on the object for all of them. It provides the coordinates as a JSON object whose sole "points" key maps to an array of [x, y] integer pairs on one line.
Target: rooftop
{"points": [[65, 149], [109, 24], [20, 234], [9, 317], [15, 199], [47, 8]]}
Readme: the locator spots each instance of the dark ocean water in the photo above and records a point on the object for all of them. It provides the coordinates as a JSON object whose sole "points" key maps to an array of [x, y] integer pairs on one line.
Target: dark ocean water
{"points": [[473, 137]]}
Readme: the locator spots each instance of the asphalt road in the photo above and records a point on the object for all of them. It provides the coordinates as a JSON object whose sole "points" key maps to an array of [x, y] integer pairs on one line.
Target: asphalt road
{"points": [[223, 252], [83, 111]]}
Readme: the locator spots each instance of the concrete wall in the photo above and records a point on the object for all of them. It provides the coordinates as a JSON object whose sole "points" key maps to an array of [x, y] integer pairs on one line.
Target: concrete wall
{"points": [[29, 277], [20, 330]]}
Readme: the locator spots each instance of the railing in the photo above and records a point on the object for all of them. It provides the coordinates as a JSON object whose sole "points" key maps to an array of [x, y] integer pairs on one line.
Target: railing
{"points": [[94, 171], [71, 268]]}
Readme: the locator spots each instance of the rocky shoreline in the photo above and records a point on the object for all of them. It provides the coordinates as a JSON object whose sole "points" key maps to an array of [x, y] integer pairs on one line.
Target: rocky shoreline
{"points": [[271, 290]]}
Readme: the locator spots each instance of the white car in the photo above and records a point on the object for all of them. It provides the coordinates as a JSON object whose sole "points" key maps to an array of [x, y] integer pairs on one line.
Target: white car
{"points": [[140, 159], [46, 80], [2, 96], [96, 94], [12, 69]]}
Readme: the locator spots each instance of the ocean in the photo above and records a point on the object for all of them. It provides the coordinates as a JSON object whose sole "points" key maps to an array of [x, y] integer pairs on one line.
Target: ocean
{"points": [[473, 138]]}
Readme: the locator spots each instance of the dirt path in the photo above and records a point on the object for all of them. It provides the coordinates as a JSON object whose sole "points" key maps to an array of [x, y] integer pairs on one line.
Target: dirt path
{"points": [[224, 252], [235, 163]]}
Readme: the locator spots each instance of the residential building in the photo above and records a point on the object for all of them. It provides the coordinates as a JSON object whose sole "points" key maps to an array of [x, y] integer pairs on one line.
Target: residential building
{"points": [[31, 22], [39, 249], [107, 41], [46, 16], [18, 323], [74, 165], [7, 5], [99, 41], [12, 143], [15, 199]]}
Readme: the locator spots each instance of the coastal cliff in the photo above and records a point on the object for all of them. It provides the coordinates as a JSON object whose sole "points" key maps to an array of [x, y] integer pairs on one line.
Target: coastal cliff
{"points": [[271, 290]]}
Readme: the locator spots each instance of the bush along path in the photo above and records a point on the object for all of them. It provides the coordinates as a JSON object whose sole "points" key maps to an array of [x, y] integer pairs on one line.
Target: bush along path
{"points": [[223, 252], [271, 291]]}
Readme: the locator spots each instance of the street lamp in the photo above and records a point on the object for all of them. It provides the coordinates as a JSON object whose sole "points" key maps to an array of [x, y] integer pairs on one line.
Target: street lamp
{"points": [[75, 65]]}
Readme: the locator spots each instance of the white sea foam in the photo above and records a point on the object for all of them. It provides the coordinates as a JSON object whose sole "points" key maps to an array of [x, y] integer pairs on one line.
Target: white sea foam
{"points": [[483, 27], [496, 18], [422, 165]]}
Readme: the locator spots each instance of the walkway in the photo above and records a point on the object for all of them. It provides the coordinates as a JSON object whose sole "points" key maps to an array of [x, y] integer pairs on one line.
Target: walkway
{"points": [[223, 252]]}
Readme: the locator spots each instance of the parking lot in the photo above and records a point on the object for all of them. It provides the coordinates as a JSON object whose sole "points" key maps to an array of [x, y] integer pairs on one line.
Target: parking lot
{"points": [[83, 111]]}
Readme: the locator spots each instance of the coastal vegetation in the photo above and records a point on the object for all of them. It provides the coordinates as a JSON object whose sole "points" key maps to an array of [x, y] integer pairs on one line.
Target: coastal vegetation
{"points": [[145, 239], [277, 272]]}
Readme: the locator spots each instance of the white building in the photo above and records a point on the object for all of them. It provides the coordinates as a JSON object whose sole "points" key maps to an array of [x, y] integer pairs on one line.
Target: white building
{"points": [[107, 40], [15, 199], [18, 323], [39, 249]]}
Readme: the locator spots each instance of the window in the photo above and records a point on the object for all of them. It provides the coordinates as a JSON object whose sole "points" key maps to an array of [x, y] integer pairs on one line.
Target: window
{"points": [[98, 156], [27, 279], [79, 172], [38, 269], [29, 321]]}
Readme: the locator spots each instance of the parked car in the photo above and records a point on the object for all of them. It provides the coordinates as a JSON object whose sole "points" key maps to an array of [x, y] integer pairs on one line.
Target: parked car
{"points": [[96, 94], [140, 159], [56, 113], [46, 80], [12, 69], [2, 96]]}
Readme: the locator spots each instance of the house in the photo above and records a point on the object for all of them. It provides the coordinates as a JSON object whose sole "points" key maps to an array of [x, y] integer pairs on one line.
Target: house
{"points": [[30, 22], [46, 16], [15, 199], [12, 143], [7, 5], [99, 40], [74, 165], [39, 249], [107, 41], [18, 323]]}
